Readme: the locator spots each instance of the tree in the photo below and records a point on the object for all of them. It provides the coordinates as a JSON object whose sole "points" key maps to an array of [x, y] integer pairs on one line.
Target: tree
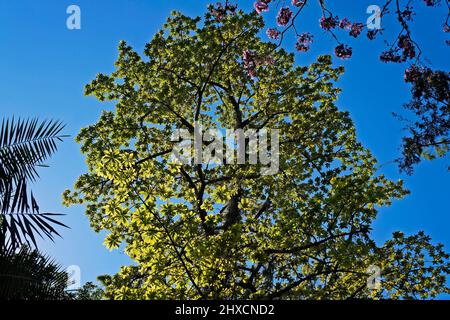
{"points": [[202, 230], [401, 47], [29, 275], [429, 133], [89, 291], [24, 272], [24, 146]]}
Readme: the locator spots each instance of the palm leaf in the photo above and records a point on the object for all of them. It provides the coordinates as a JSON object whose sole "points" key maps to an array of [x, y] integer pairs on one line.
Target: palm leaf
{"points": [[29, 275], [24, 145]]}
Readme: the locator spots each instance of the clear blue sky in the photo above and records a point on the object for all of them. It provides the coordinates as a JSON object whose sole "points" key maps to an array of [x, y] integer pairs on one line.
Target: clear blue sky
{"points": [[44, 67]]}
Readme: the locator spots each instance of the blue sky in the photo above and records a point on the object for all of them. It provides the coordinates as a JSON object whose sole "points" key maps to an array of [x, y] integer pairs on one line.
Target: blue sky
{"points": [[45, 66]]}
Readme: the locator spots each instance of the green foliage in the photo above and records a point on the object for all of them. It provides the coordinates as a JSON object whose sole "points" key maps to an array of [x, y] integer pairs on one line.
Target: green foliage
{"points": [[29, 275], [89, 291], [24, 146], [198, 231], [429, 135]]}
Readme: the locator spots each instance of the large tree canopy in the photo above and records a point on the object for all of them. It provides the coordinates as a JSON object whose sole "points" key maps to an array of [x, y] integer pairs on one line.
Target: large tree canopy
{"points": [[228, 231]]}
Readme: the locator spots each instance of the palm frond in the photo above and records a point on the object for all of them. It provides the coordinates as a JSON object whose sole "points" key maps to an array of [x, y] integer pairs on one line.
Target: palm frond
{"points": [[18, 229], [29, 275], [24, 145]]}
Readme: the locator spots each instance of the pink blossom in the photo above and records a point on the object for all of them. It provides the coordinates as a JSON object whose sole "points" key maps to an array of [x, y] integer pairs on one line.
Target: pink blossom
{"points": [[248, 57], [343, 51], [356, 29], [407, 46], [219, 11], [328, 23], [345, 24], [273, 33], [251, 61], [269, 60], [284, 16], [298, 3], [304, 42], [261, 6], [412, 74]]}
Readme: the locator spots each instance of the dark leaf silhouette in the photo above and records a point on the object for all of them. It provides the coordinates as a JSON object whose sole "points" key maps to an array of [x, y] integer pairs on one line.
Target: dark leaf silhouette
{"points": [[24, 146], [29, 275]]}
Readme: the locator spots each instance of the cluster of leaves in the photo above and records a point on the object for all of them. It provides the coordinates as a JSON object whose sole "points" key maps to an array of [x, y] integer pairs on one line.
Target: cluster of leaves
{"points": [[411, 260], [430, 134], [209, 231], [26, 273], [24, 146], [89, 291], [29, 275]]}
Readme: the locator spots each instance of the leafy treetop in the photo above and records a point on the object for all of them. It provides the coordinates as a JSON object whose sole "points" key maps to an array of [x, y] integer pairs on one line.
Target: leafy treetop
{"points": [[209, 231]]}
